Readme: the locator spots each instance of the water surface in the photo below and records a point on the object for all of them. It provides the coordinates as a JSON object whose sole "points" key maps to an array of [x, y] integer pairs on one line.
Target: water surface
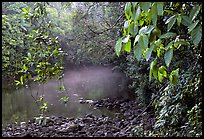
{"points": [[92, 83]]}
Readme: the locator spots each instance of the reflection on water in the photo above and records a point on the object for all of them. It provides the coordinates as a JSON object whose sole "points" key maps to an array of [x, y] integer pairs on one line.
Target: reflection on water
{"points": [[87, 83]]}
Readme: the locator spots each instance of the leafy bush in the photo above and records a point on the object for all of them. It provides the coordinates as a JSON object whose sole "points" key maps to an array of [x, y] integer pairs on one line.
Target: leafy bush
{"points": [[156, 32]]}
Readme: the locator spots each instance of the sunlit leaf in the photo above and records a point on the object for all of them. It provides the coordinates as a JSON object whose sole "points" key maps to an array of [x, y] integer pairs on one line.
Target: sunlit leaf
{"points": [[138, 11], [126, 24], [21, 80], [162, 73], [25, 10], [136, 39], [125, 40], [17, 82], [143, 30], [118, 46], [25, 67], [174, 77], [128, 46], [149, 29]]}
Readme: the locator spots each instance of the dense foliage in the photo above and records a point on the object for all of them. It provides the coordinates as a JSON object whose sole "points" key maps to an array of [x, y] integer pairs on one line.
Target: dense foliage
{"points": [[27, 48], [167, 34]]}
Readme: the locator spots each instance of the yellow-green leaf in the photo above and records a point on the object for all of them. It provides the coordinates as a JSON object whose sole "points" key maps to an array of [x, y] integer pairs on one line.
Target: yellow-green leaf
{"points": [[128, 46], [174, 77]]}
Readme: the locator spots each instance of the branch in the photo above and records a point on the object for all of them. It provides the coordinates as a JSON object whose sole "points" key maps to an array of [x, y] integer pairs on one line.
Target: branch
{"points": [[87, 11], [98, 33]]}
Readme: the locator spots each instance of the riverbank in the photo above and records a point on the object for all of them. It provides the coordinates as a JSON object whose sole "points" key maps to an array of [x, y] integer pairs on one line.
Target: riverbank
{"points": [[88, 126]]}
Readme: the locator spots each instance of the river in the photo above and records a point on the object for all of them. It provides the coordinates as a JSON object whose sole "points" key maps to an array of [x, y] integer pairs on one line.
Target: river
{"points": [[87, 83]]}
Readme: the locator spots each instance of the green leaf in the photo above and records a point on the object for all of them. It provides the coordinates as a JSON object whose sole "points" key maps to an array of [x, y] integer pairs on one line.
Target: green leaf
{"points": [[143, 30], [123, 47], [194, 12], [138, 52], [145, 41], [21, 80], [134, 4], [55, 52], [145, 6], [170, 22], [160, 8], [118, 46], [133, 29], [154, 14], [168, 35], [28, 8], [168, 56], [149, 30], [162, 73], [179, 18], [141, 22], [125, 40], [128, 46], [25, 67], [149, 52], [162, 70], [127, 9], [153, 69], [191, 27], [136, 39], [17, 82], [25, 10], [186, 21], [174, 77], [137, 13], [196, 35], [177, 44]]}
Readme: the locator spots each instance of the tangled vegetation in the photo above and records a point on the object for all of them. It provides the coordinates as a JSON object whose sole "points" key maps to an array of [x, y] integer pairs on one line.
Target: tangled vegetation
{"points": [[166, 34]]}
